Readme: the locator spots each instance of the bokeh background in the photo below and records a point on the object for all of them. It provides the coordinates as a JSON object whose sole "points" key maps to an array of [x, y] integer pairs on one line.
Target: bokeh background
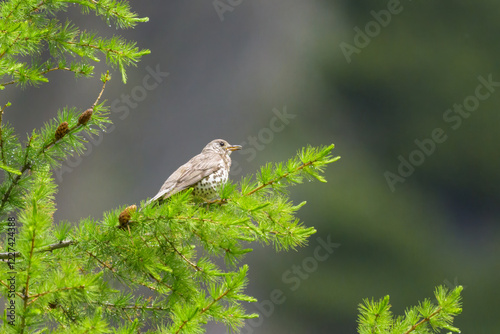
{"points": [[229, 70]]}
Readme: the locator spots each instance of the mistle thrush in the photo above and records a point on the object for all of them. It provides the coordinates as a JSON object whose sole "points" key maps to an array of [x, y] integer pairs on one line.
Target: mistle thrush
{"points": [[205, 172]]}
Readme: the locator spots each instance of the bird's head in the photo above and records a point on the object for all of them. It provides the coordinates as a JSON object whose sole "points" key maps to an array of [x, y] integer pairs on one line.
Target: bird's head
{"points": [[221, 146]]}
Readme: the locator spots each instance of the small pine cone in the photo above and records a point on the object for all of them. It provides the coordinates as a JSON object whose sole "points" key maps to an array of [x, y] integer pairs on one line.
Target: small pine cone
{"points": [[124, 217], [62, 130], [85, 116], [53, 304]]}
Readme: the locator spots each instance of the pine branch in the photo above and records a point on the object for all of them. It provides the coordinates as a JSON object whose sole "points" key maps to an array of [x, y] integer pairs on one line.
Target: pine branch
{"points": [[20, 295], [77, 126], [12, 11], [49, 248], [31, 30], [127, 316], [27, 285], [17, 179], [124, 18], [13, 184], [280, 177], [195, 267], [375, 316], [204, 309], [230, 291], [1, 139], [114, 271], [96, 47], [30, 34], [105, 78], [136, 307], [35, 297], [47, 146], [114, 9], [10, 46], [310, 158], [42, 73], [158, 281], [37, 7], [424, 320], [161, 240], [168, 249]]}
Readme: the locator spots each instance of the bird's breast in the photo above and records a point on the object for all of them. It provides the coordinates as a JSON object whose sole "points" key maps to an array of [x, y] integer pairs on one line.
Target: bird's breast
{"points": [[207, 187]]}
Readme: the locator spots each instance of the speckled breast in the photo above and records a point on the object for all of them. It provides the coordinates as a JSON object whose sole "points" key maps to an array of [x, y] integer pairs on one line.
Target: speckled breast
{"points": [[207, 188]]}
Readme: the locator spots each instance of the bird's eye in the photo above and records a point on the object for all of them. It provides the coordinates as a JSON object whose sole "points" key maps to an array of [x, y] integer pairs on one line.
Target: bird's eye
{"points": [[221, 143]]}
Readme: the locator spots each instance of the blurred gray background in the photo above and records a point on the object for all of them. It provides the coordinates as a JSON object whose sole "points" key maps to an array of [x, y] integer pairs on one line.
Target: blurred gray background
{"points": [[228, 71]]}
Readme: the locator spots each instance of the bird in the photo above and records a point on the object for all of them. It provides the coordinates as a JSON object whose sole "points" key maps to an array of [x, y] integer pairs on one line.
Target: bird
{"points": [[205, 173]]}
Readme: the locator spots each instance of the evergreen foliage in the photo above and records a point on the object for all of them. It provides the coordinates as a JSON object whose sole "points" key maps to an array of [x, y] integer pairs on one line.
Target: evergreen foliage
{"points": [[166, 268], [153, 268], [426, 317], [31, 28]]}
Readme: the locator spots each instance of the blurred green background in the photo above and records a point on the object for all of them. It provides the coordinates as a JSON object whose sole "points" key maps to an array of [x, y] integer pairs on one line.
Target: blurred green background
{"points": [[230, 68]]}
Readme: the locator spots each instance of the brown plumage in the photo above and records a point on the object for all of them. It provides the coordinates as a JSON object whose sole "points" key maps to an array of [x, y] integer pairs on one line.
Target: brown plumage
{"points": [[205, 172]]}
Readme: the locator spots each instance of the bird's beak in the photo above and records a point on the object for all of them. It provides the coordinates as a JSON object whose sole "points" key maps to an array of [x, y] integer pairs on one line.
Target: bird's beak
{"points": [[234, 148]]}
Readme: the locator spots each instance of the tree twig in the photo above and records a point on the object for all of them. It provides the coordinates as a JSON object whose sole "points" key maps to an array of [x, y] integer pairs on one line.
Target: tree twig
{"points": [[281, 177], [35, 297], [423, 320], [49, 248], [102, 90], [20, 295], [195, 266], [205, 309], [1, 138], [42, 73], [113, 270], [135, 307], [27, 164], [27, 286]]}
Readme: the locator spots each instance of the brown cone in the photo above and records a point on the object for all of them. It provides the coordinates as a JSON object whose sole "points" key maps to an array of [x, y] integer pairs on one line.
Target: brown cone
{"points": [[124, 217], [85, 117], [62, 130]]}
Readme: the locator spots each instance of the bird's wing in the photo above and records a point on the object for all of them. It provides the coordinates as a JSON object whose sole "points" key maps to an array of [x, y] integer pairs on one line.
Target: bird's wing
{"points": [[187, 175]]}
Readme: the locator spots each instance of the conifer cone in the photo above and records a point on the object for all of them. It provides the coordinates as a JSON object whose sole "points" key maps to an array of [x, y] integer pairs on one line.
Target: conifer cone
{"points": [[85, 117], [62, 130], [124, 217]]}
